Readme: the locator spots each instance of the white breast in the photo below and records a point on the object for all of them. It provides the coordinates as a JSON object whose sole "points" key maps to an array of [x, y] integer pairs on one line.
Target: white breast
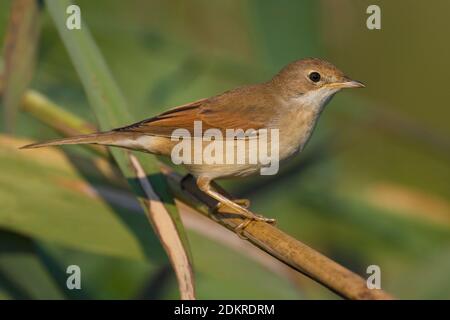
{"points": [[298, 126]]}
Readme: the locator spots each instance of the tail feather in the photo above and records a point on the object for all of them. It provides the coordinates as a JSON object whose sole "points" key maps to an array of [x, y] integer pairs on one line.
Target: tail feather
{"points": [[105, 138]]}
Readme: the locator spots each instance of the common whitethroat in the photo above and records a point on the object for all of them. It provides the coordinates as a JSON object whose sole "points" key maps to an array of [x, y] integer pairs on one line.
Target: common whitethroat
{"points": [[291, 103]]}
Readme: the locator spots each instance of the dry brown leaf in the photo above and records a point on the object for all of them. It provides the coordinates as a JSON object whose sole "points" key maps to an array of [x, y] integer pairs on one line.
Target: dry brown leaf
{"points": [[167, 232], [19, 53]]}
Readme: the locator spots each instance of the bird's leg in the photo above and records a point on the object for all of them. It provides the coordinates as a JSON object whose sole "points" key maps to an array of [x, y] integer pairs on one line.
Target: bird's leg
{"points": [[205, 186], [242, 202], [245, 203]]}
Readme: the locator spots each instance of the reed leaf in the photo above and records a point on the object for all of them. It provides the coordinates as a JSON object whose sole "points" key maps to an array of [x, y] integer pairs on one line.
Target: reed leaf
{"points": [[111, 110], [20, 48]]}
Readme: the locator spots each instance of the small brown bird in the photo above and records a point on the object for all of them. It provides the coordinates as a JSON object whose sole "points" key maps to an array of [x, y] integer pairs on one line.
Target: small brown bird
{"points": [[290, 102]]}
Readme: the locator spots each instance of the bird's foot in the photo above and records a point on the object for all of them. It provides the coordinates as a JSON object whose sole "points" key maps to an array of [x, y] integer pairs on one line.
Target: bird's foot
{"points": [[239, 230], [241, 206], [241, 227], [264, 219], [236, 204], [244, 203]]}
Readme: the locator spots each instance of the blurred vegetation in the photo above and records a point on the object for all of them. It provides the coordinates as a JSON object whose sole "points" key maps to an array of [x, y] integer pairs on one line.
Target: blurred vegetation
{"points": [[372, 187]]}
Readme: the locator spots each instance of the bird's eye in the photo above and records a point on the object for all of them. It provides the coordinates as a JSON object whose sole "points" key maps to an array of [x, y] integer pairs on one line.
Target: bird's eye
{"points": [[314, 76]]}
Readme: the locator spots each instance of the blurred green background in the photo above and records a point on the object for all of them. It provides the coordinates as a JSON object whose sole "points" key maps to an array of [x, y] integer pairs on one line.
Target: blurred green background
{"points": [[372, 187]]}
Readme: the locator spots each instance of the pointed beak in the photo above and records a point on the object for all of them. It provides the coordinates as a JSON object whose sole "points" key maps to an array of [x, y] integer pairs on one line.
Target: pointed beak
{"points": [[352, 84], [347, 83]]}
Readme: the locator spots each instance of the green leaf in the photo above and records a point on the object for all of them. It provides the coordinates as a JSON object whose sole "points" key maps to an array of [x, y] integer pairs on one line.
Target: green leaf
{"points": [[111, 111], [44, 197], [22, 273]]}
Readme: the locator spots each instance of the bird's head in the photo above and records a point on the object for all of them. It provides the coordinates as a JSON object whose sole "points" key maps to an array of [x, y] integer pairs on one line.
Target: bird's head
{"points": [[313, 79]]}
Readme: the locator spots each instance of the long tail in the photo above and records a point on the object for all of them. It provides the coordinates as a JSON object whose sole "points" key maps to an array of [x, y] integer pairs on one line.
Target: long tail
{"points": [[105, 138]]}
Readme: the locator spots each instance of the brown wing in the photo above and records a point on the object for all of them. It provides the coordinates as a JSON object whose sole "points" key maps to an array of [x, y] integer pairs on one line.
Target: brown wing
{"points": [[165, 123], [221, 112]]}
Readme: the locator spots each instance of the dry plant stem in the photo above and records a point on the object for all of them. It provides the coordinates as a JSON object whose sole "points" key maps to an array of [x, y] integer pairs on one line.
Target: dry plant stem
{"points": [[282, 246], [166, 230], [265, 236]]}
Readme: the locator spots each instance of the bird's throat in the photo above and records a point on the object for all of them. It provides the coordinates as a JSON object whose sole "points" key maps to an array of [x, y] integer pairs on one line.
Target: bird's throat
{"points": [[304, 112], [314, 99]]}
